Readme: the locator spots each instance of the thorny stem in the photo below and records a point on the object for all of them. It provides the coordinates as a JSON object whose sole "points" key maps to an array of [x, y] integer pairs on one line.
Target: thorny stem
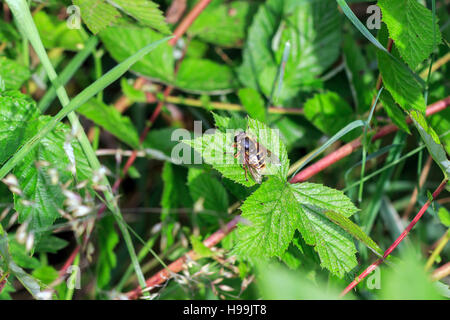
{"points": [[216, 237], [405, 232]]}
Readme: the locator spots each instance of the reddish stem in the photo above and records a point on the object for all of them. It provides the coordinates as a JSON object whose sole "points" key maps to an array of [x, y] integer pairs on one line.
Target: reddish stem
{"points": [[216, 237], [188, 20], [441, 272], [348, 148], [405, 232], [69, 261], [179, 264]]}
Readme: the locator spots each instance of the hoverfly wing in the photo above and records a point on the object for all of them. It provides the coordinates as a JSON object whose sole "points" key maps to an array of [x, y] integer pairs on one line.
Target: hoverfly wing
{"points": [[256, 175]]}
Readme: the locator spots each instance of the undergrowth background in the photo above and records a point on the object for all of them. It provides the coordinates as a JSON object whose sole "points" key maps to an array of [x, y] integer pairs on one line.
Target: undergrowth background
{"points": [[94, 206]]}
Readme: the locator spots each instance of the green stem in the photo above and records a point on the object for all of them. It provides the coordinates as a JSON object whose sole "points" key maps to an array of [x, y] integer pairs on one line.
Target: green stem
{"points": [[73, 278]]}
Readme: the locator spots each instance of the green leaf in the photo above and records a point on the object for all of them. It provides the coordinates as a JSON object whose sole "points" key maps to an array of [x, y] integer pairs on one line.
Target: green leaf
{"points": [[145, 11], [313, 30], [360, 77], [199, 248], [224, 24], [111, 120], [431, 139], [133, 94], [12, 74], [224, 123], [394, 112], [76, 102], [397, 79], [396, 282], [46, 274], [8, 33], [97, 14], [21, 256], [30, 284], [175, 194], [54, 33], [18, 111], [440, 122], [212, 193], [330, 113], [202, 75], [35, 180], [411, 26], [354, 230], [108, 239], [161, 140], [444, 216], [122, 42], [279, 283], [51, 244], [253, 103], [195, 75], [273, 216], [278, 208], [217, 150]]}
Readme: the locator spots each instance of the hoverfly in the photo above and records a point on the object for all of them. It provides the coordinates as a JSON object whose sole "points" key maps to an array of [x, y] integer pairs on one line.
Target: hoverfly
{"points": [[253, 155]]}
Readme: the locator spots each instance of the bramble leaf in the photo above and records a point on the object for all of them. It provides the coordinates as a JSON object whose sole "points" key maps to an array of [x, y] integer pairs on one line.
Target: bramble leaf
{"points": [[54, 33], [18, 112], [203, 75], [194, 75], [398, 80], [253, 103], [8, 263], [212, 194], [122, 42], [97, 14], [217, 150], [394, 112], [313, 30], [12, 74], [330, 113], [278, 208], [223, 24], [360, 78], [43, 196], [411, 26], [145, 11], [111, 120], [431, 140]]}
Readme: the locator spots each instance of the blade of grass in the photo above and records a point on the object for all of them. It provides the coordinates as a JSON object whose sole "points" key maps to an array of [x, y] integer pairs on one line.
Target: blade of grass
{"points": [[366, 33], [76, 102], [67, 73], [22, 14], [364, 145], [279, 76], [351, 126]]}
